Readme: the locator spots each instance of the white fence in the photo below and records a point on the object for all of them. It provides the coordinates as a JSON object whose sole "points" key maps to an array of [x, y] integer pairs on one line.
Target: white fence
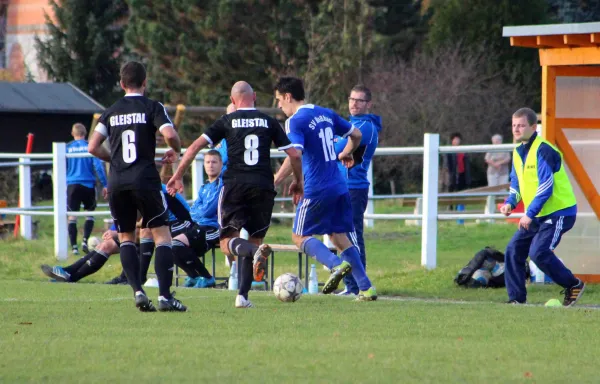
{"points": [[429, 217]]}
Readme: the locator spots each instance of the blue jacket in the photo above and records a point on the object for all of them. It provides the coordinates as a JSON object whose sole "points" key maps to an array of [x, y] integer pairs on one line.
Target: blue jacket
{"points": [[222, 149], [370, 126], [204, 209], [81, 170], [548, 163]]}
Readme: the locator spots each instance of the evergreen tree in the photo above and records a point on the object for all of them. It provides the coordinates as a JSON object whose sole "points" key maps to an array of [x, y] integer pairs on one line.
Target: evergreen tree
{"points": [[84, 45], [402, 23], [575, 11], [477, 25]]}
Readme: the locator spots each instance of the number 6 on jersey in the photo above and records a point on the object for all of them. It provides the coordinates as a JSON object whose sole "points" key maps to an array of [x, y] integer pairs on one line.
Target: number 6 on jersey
{"points": [[128, 143]]}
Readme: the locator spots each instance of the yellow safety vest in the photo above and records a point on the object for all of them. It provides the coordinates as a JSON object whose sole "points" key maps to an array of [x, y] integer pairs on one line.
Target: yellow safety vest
{"points": [[562, 192]]}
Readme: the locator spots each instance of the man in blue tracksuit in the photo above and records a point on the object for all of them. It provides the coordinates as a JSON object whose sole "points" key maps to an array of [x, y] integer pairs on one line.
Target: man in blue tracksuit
{"points": [[539, 179], [369, 125], [81, 182]]}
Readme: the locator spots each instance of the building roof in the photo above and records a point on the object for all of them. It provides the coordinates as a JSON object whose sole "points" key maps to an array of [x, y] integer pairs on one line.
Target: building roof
{"points": [[552, 29], [63, 98]]}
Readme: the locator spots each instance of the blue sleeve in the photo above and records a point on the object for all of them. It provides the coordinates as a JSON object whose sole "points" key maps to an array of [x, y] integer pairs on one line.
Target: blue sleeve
{"points": [[223, 151], [100, 171], [341, 127], [367, 133], [514, 196], [548, 163], [339, 145], [293, 128], [212, 204]]}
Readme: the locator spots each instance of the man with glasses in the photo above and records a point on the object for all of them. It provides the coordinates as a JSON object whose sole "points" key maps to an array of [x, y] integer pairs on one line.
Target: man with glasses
{"points": [[359, 104]]}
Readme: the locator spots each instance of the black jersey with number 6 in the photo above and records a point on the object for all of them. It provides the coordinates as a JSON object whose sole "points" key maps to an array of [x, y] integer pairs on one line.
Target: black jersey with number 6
{"points": [[130, 125], [249, 134]]}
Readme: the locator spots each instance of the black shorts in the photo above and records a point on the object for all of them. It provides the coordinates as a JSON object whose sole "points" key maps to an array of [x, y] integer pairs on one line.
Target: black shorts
{"points": [[124, 207], [178, 227], [77, 194], [201, 238], [245, 206]]}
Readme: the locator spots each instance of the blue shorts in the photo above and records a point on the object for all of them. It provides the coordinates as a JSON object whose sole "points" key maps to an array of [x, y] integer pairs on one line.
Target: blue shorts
{"points": [[324, 216]]}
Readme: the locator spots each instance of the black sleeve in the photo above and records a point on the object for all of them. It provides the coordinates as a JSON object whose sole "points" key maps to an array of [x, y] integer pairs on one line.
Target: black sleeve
{"points": [[279, 137], [216, 132], [177, 208], [160, 116]]}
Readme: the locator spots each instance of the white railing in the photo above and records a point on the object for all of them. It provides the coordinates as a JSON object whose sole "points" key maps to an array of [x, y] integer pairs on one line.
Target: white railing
{"points": [[429, 216]]}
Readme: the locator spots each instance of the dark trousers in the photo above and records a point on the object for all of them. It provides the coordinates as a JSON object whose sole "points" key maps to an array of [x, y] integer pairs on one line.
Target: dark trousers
{"points": [[359, 199], [538, 243]]}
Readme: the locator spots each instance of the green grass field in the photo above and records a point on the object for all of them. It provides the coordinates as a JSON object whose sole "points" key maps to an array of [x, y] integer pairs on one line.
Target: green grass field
{"points": [[424, 329]]}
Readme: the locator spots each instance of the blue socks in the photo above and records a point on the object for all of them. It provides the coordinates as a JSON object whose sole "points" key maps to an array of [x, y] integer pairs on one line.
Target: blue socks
{"points": [[314, 248], [352, 255]]}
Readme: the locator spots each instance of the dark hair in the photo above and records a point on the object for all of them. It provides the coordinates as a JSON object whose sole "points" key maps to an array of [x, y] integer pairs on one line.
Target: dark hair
{"points": [[455, 134], [214, 152], [529, 113], [363, 89], [133, 74], [291, 85]]}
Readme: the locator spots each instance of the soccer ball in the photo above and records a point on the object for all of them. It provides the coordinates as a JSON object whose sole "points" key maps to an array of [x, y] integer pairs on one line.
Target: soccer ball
{"points": [[482, 276], [93, 243], [288, 288]]}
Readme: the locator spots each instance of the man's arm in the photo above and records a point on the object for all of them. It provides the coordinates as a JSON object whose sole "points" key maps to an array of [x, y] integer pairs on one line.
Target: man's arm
{"points": [[171, 138], [99, 167], [514, 196], [354, 138], [95, 146], [190, 155], [549, 162], [295, 161], [284, 171]]}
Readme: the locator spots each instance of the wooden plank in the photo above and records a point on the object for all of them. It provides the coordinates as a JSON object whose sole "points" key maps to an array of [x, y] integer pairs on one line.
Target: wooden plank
{"points": [[579, 173], [570, 56], [578, 70], [524, 41], [592, 279], [579, 40], [548, 103], [551, 41], [577, 123]]}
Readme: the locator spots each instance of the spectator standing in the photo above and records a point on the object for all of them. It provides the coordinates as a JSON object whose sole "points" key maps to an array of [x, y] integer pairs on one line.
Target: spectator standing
{"points": [[498, 164]]}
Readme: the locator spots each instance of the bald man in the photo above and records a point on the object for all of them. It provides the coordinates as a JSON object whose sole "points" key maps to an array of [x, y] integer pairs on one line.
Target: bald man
{"points": [[248, 194]]}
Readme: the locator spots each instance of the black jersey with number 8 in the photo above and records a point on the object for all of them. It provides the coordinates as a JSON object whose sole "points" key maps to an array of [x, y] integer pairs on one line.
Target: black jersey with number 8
{"points": [[249, 134], [131, 125]]}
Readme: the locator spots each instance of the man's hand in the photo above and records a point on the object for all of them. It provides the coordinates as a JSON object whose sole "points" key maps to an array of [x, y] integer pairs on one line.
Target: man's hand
{"points": [[506, 209], [524, 222], [108, 235], [105, 193], [174, 185], [297, 191], [346, 159], [170, 157]]}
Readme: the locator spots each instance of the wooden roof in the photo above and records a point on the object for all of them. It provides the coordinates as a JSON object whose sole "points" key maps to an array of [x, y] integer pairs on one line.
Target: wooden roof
{"points": [[554, 35]]}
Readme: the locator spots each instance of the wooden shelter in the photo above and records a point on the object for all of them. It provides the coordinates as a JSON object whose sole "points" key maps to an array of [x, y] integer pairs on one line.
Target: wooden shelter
{"points": [[570, 60]]}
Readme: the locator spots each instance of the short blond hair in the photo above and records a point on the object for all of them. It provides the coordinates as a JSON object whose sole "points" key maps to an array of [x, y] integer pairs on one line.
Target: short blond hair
{"points": [[79, 129]]}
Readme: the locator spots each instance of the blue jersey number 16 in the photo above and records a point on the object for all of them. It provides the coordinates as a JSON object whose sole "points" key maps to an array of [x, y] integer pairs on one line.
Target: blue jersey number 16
{"points": [[326, 136]]}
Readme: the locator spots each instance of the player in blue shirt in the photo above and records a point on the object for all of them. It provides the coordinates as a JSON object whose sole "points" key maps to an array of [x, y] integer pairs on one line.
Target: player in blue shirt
{"points": [[81, 182], [325, 207], [369, 125]]}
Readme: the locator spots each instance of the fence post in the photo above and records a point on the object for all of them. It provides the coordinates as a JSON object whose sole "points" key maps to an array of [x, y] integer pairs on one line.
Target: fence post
{"points": [[431, 149], [59, 186], [371, 203], [197, 175], [490, 207], [25, 197]]}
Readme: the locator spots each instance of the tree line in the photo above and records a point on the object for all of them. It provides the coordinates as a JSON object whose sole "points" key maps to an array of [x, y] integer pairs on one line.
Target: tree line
{"points": [[433, 65]]}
